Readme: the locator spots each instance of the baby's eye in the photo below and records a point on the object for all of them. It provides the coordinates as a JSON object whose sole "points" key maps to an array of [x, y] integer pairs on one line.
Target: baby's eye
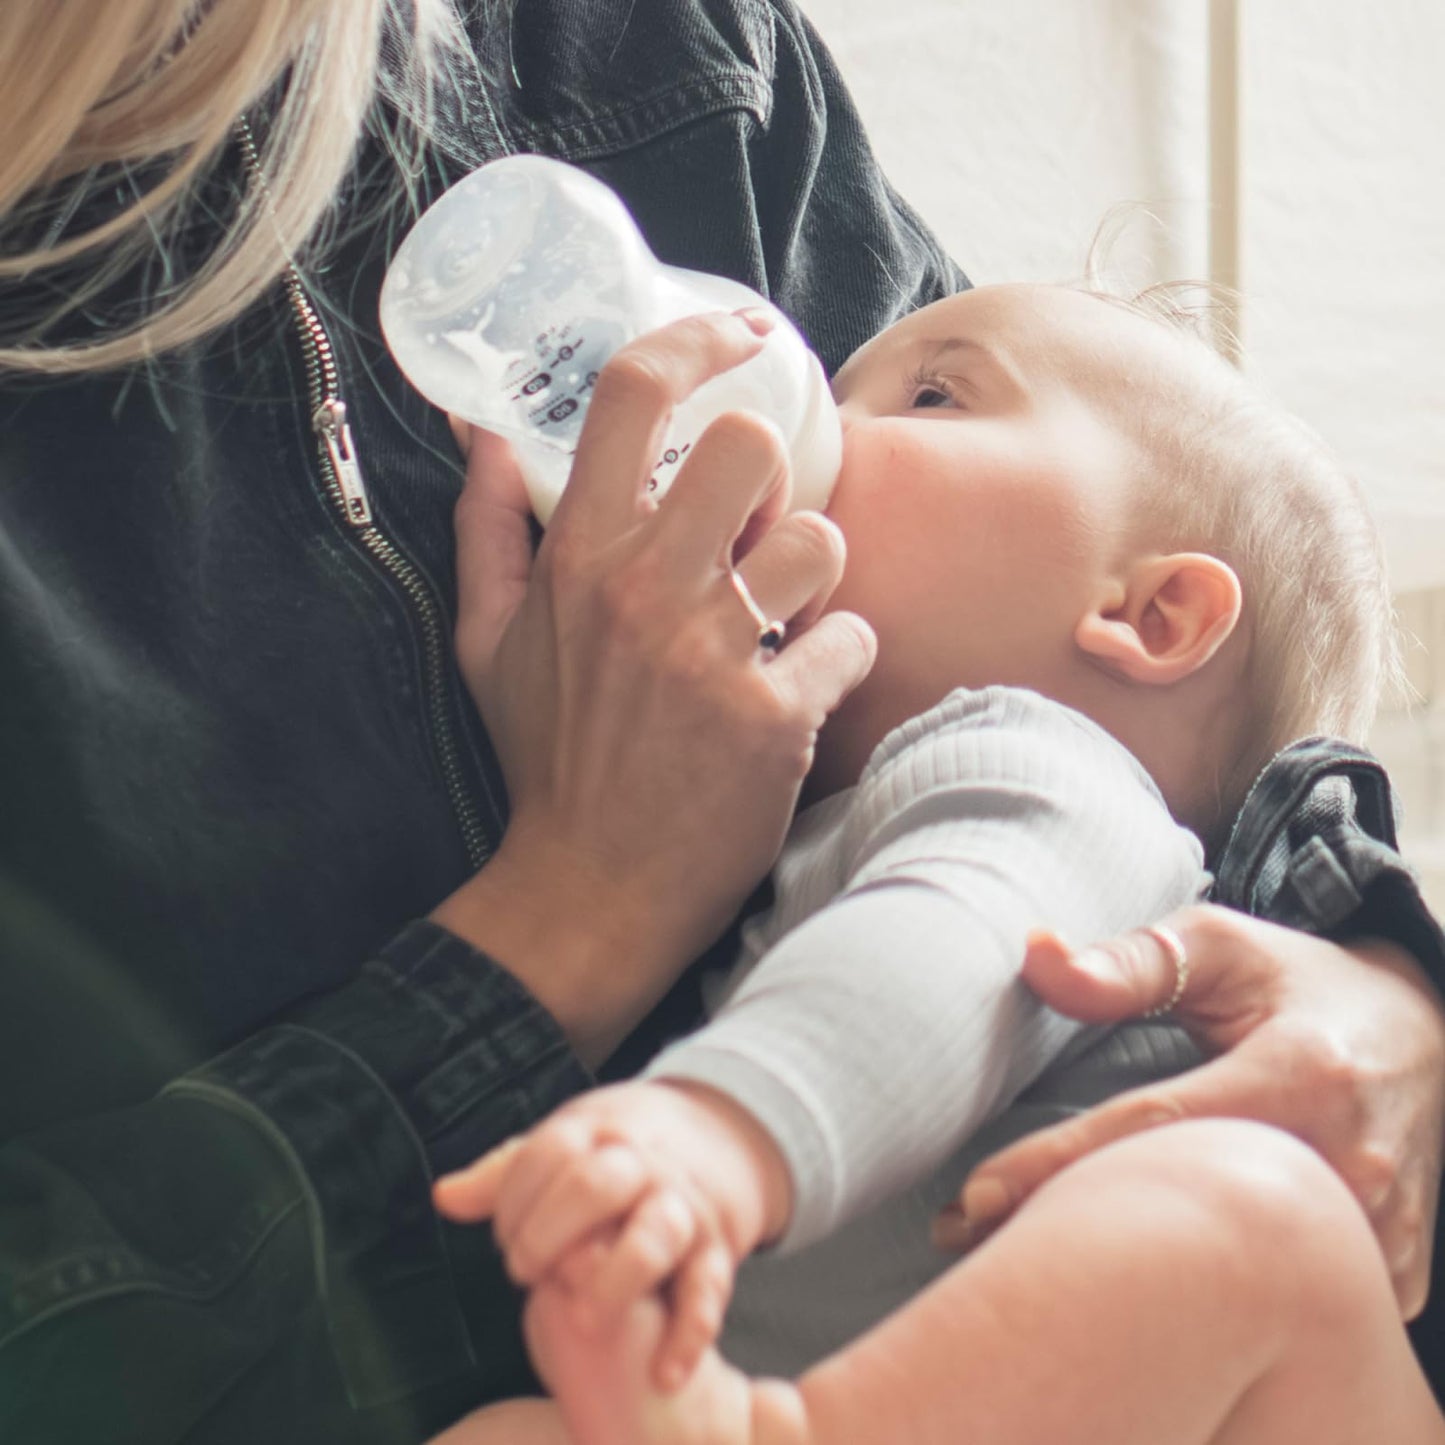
{"points": [[927, 391]]}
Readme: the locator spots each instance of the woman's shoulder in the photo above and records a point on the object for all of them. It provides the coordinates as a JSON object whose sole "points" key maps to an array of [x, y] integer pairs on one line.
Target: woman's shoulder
{"points": [[584, 79]]}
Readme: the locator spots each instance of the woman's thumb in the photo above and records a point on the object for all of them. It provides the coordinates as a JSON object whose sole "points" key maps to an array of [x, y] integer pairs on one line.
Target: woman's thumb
{"points": [[1136, 973]]}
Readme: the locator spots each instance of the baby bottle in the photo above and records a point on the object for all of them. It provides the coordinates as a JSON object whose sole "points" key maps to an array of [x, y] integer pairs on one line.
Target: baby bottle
{"points": [[514, 289]]}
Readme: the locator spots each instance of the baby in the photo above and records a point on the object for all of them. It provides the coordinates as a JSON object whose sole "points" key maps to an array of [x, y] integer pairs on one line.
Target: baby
{"points": [[1108, 584]]}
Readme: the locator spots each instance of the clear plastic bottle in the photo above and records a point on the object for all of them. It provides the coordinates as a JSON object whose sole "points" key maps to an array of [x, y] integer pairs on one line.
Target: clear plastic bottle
{"points": [[514, 289]]}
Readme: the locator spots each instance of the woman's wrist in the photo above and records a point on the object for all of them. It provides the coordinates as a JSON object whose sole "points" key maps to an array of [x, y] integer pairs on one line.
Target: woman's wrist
{"points": [[593, 956], [1397, 959]]}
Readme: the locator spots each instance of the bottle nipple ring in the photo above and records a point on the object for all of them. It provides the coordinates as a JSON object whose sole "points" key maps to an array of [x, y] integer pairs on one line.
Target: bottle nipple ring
{"points": [[771, 632]]}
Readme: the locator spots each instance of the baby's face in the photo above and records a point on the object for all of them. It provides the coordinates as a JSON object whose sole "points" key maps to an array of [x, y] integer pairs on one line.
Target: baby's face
{"points": [[983, 496]]}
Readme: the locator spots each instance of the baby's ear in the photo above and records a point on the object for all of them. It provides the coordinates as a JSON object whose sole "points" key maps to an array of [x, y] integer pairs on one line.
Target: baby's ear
{"points": [[1175, 614]]}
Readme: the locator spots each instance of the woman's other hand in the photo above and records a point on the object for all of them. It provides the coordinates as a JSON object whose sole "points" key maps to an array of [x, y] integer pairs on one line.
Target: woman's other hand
{"points": [[653, 752], [1342, 1047]]}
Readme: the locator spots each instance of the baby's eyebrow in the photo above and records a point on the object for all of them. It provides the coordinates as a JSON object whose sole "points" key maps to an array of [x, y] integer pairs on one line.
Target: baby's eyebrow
{"points": [[939, 348]]}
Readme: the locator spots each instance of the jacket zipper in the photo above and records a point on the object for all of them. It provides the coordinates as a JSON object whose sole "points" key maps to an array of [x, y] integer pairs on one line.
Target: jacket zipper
{"points": [[346, 486]]}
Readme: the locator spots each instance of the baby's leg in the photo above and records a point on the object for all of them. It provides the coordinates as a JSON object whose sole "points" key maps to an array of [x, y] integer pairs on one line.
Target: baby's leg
{"points": [[1206, 1284], [603, 1382], [513, 1422]]}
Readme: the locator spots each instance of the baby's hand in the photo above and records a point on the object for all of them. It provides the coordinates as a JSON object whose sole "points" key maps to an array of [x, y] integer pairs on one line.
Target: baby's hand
{"points": [[627, 1190]]}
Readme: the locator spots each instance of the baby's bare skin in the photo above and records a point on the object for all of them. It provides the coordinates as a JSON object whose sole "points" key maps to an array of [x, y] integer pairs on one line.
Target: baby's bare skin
{"points": [[603, 1382], [1225, 1254]]}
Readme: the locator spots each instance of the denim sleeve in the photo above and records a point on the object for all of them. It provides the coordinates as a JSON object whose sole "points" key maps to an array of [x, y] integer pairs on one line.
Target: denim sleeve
{"points": [[1315, 848], [277, 1199]]}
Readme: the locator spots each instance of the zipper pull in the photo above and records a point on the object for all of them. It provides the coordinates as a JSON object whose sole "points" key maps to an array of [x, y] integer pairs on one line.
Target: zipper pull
{"points": [[331, 425]]}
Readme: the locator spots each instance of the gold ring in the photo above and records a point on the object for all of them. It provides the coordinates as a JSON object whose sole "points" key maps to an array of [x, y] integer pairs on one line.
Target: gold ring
{"points": [[1173, 945], [771, 632]]}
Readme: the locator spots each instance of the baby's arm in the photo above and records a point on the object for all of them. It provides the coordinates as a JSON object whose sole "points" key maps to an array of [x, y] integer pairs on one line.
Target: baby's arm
{"points": [[883, 1029], [628, 1190]]}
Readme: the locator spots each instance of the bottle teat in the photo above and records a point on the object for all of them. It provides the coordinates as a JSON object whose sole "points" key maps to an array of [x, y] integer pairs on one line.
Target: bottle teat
{"points": [[514, 289]]}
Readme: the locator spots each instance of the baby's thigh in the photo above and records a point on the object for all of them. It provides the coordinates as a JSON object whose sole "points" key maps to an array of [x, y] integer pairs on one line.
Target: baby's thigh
{"points": [[1233, 1205], [512, 1422]]}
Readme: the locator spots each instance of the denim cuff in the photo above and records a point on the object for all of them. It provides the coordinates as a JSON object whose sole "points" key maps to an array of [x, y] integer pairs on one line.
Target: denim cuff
{"points": [[431, 1056], [1315, 848]]}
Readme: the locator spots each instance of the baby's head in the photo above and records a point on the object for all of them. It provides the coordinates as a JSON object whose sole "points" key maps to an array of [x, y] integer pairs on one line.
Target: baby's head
{"points": [[1051, 488]]}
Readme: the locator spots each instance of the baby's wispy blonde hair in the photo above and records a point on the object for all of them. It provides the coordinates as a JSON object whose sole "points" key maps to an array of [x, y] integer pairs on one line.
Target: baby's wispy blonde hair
{"points": [[1238, 477]]}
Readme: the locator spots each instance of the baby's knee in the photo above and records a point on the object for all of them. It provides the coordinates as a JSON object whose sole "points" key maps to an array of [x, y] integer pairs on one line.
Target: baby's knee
{"points": [[1248, 1204], [1255, 1175]]}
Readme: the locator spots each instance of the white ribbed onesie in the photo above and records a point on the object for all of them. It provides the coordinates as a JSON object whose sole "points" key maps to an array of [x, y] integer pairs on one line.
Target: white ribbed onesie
{"points": [[875, 1021]]}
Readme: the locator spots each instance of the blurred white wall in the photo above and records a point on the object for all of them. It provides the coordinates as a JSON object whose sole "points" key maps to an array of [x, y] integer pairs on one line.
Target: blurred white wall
{"points": [[1015, 127], [1345, 244]]}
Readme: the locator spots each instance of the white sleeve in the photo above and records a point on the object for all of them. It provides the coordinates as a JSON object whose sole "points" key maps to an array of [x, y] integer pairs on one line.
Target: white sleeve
{"points": [[874, 1038]]}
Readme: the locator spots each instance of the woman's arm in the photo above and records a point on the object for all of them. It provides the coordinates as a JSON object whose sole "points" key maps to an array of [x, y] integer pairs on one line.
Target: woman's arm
{"points": [[653, 761], [653, 754]]}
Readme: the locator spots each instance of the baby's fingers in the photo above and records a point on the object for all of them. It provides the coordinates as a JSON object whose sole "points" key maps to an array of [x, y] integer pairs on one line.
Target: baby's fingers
{"points": [[700, 1294], [653, 1243], [577, 1267], [470, 1195], [552, 1149], [590, 1191]]}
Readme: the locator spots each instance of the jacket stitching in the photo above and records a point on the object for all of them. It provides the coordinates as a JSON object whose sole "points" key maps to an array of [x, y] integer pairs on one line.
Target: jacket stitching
{"points": [[169, 1281]]}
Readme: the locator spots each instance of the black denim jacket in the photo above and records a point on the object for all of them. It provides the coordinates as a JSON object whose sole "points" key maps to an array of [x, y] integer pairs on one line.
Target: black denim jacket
{"points": [[236, 765]]}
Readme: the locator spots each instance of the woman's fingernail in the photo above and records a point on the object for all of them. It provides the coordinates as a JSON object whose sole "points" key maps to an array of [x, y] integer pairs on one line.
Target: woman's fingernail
{"points": [[759, 321], [984, 1199]]}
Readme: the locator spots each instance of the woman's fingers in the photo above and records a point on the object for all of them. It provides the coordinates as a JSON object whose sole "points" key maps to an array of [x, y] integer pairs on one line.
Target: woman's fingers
{"points": [[821, 666], [494, 548], [737, 470], [627, 421], [631, 406], [792, 572], [1406, 1232], [1000, 1184]]}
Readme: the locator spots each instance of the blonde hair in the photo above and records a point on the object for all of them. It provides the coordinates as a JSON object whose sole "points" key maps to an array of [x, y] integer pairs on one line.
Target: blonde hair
{"points": [[144, 95], [1240, 478]]}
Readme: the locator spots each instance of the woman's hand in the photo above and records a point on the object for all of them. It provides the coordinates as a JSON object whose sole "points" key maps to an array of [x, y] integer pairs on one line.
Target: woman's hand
{"points": [[652, 752], [1343, 1047]]}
